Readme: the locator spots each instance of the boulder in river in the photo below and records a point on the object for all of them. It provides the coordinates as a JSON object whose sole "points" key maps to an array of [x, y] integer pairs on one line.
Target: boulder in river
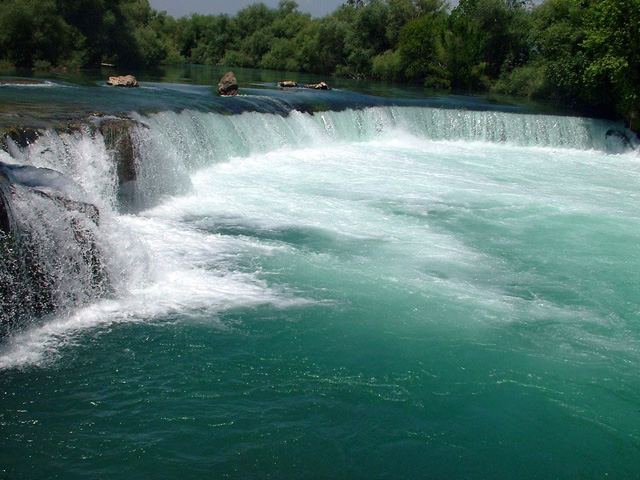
{"points": [[312, 86], [228, 85], [318, 86], [123, 81]]}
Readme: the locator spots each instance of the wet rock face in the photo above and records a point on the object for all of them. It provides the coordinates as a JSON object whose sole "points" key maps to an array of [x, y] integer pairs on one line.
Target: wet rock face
{"points": [[22, 136], [117, 139], [5, 206], [228, 85], [50, 255], [51, 247], [117, 135], [123, 81]]}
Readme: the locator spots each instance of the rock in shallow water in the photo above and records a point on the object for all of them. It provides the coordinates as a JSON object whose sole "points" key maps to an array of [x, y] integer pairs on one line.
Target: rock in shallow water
{"points": [[288, 84], [228, 85], [123, 81], [313, 86]]}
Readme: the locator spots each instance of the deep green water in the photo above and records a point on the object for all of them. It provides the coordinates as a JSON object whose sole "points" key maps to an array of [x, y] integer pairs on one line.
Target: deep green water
{"points": [[392, 291]]}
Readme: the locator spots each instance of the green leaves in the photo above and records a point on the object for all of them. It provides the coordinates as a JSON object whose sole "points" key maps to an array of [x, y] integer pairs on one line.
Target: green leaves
{"points": [[30, 31], [79, 33], [421, 50], [612, 43]]}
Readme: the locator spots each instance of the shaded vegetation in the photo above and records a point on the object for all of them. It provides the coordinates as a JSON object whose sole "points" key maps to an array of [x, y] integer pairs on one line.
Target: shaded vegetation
{"points": [[581, 52]]}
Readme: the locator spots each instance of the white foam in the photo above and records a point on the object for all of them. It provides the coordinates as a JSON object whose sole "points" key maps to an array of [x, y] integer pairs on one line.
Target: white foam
{"points": [[179, 273], [368, 182]]}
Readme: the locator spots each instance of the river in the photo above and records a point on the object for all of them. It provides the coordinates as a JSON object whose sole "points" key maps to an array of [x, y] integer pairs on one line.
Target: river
{"points": [[367, 282]]}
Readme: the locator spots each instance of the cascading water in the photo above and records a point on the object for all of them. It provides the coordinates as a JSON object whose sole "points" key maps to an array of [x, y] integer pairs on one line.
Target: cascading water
{"points": [[169, 147], [352, 293]]}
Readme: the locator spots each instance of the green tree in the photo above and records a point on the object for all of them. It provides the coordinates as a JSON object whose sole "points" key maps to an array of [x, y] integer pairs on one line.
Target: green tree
{"points": [[487, 38], [326, 45], [388, 66], [166, 29], [281, 56], [286, 7], [402, 12], [558, 35], [612, 44], [421, 50], [253, 18], [31, 30]]}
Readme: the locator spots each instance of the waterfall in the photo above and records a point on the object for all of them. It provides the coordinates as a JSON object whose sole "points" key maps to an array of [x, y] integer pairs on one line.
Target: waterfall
{"points": [[61, 191], [50, 245], [198, 138]]}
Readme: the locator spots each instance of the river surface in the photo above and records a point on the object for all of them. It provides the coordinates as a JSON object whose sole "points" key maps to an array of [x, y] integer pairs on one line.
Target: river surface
{"points": [[351, 284]]}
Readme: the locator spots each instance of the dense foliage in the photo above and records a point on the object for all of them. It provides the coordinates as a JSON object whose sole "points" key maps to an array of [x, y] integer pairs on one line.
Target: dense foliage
{"points": [[79, 33], [584, 52]]}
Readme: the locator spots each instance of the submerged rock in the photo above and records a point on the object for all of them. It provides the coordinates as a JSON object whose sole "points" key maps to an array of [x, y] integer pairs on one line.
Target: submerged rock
{"points": [[123, 81], [228, 85], [617, 141], [20, 81]]}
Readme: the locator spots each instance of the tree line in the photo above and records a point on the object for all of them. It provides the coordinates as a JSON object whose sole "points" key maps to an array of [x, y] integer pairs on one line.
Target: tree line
{"points": [[580, 52]]}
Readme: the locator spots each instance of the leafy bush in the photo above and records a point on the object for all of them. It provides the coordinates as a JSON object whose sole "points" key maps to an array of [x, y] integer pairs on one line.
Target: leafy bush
{"points": [[527, 81], [388, 66]]}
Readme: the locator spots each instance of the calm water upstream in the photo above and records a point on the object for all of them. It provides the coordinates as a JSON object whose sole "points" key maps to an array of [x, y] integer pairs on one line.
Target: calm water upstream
{"points": [[393, 287]]}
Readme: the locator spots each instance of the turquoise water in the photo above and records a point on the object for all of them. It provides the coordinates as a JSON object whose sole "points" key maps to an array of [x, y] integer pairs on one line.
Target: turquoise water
{"points": [[393, 291]]}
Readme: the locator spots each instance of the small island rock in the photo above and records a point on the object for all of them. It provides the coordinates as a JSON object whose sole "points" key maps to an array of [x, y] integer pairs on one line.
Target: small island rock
{"points": [[228, 85], [318, 86], [123, 81], [312, 86]]}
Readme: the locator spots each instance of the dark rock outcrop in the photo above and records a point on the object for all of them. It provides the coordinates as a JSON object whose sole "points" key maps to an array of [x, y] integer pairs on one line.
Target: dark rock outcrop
{"points": [[228, 85], [117, 135], [123, 81], [40, 253], [6, 216], [117, 139], [22, 136]]}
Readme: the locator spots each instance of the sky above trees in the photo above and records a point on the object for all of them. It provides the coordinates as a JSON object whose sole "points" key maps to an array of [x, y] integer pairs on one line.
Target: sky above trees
{"points": [[317, 8]]}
